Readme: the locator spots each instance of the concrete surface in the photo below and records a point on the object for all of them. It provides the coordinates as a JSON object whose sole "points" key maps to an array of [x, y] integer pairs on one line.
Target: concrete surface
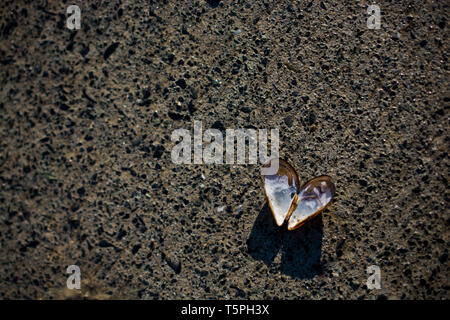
{"points": [[86, 174]]}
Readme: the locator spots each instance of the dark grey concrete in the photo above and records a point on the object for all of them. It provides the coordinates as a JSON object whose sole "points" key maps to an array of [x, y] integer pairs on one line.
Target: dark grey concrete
{"points": [[87, 178]]}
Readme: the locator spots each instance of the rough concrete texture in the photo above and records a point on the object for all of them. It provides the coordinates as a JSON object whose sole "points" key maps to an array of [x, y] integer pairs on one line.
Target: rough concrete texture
{"points": [[86, 175]]}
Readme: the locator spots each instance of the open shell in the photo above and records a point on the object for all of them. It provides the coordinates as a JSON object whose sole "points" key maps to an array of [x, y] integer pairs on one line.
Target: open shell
{"points": [[292, 204]]}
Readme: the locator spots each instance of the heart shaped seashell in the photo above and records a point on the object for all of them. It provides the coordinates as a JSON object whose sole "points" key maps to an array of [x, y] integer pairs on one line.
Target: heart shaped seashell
{"points": [[294, 204]]}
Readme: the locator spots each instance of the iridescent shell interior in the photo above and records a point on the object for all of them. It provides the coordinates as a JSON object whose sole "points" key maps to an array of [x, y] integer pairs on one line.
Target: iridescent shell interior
{"points": [[290, 203], [280, 190], [313, 197]]}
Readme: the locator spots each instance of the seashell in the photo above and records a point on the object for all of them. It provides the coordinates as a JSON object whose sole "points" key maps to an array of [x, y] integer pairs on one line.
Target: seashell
{"points": [[312, 199], [293, 204], [281, 190]]}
